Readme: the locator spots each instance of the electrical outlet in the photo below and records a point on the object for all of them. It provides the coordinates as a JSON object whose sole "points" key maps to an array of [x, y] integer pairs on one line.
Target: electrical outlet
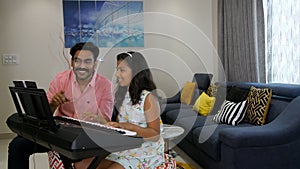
{"points": [[10, 59]]}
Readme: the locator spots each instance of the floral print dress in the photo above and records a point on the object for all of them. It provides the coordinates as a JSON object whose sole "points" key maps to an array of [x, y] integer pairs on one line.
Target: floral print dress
{"points": [[150, 154]]}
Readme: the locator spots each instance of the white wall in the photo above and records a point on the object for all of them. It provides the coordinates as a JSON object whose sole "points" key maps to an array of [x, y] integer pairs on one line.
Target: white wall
{"points": [[178, 37]]}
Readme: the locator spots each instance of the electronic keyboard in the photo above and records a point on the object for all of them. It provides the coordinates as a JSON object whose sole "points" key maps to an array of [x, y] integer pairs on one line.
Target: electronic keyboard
{"points": [[75, 141], [65, 119]]}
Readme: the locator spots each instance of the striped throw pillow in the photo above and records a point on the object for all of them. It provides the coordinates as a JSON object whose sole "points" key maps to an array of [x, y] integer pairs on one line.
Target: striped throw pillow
{"points": [[231, 113]]}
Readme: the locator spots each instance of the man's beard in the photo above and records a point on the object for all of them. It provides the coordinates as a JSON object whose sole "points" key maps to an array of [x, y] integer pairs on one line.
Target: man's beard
{"points": [[89, 73]]}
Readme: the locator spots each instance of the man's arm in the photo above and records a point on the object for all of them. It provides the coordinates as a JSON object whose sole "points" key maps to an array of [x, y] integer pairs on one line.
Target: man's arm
{"points": [[105, 99], [55, 93]]}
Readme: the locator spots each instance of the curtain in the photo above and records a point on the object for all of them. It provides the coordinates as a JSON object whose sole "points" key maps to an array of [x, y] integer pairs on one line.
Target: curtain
{"points": [[241, 40], [283, 39]]}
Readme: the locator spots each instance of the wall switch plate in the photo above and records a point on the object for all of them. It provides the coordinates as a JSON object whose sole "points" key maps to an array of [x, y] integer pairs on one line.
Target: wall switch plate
{"points": [[10, 59]]}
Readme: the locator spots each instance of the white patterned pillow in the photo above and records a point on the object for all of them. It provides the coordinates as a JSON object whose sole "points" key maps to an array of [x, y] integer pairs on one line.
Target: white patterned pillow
{"points": [[231, 113]]}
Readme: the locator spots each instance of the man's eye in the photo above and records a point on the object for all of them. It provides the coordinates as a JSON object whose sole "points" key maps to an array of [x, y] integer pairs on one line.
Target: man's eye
{"points": [[77, 60], [88, 61]]}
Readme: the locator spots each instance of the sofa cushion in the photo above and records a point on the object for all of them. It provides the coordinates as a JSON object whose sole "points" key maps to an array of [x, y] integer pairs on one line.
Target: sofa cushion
{"points": [[237, 94], [277, 105], [176, 114], [203, 80], [187, 93], [212, 90], [220, 95], [174, 106], [189, 123], [231, 113], [171, 106], [204, 104], [258, 105]]}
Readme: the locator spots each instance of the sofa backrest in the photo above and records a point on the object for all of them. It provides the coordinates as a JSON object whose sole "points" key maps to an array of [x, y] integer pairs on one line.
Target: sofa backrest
{"points": [[282, 95], [202, 80]]}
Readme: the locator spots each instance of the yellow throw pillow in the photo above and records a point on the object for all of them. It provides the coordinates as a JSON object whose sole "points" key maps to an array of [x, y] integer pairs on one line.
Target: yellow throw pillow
{"points": [[204, 104], [187, 93]]}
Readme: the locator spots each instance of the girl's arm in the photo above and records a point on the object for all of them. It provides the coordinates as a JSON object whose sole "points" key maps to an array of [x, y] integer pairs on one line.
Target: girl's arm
{"points": [[152, 113]]}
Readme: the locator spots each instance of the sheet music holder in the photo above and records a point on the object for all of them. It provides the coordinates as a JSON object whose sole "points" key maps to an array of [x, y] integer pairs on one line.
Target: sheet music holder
{"points": [[25, 84], [32, 104]]}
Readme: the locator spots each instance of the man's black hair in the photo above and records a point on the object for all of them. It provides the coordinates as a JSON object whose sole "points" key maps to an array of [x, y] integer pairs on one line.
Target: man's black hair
{"points": [[85, 46]]}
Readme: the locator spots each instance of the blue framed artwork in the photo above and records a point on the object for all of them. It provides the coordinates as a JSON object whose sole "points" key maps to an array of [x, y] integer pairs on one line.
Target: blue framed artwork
{"points": [[106, 23]]}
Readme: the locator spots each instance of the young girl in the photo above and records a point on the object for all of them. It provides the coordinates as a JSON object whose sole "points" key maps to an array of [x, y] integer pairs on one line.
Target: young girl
{"points": [[139, 111]]}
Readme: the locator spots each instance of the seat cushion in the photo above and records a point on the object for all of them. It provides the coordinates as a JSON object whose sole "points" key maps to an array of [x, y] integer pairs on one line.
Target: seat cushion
{"points": [[189, 123], [170, 107], [184, 111]]}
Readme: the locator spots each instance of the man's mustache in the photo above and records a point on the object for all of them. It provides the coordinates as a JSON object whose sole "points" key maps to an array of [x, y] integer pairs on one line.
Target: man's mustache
{"points": [[81, 69]]}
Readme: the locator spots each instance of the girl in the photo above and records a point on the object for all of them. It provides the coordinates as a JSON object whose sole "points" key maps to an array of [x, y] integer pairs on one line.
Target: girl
{"points": [[138, 110]]}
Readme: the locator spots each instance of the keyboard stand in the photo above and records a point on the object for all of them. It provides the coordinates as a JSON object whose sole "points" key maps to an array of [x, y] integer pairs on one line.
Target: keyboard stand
{"points": [[66, 161], [94, 164]]}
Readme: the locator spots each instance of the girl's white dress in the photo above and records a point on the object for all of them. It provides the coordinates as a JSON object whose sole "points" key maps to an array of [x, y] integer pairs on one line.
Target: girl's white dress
{"points": [[150, 154]]}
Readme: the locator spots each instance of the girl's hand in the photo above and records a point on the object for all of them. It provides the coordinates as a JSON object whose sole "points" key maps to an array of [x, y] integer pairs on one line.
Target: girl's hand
{"points": [[125, 125], [113, 124]]}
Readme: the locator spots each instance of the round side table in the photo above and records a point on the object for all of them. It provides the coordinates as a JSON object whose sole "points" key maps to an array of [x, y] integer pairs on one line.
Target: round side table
{"points": [[170, 132]]}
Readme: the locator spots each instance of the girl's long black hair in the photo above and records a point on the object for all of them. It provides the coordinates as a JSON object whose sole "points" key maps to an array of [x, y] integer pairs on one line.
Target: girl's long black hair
{"points": [[141, 78]]}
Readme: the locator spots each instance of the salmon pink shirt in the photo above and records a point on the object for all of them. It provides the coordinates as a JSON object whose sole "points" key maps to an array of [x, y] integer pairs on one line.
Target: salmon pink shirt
{"points": [[96, 98]]}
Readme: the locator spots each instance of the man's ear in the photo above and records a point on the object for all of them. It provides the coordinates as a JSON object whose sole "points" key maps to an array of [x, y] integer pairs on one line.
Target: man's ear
{"points": [[96, 65], [72, 63]]}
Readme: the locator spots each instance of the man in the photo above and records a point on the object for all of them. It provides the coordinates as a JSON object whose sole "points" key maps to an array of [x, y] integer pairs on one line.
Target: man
{"points": [[78, 93]]}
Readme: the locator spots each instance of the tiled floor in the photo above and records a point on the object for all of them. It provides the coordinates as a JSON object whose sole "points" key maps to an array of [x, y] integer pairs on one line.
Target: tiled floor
{"points": [[40, 160], [182, 157], [37, 161]]}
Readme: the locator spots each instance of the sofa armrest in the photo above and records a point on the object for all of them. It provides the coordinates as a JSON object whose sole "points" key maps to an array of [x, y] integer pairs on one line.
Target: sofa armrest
{"points": [[282, 130]]}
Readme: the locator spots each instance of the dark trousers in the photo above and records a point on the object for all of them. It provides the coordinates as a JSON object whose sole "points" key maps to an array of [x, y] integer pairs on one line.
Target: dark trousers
{"points": [[19, 150]]}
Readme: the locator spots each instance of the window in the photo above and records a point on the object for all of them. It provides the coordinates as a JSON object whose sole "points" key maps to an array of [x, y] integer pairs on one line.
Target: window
{"points": [[283, 40]]}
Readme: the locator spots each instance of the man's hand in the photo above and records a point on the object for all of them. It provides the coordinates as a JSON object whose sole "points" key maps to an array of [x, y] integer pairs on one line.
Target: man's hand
{"points": [[57, 100], [88, 116]]}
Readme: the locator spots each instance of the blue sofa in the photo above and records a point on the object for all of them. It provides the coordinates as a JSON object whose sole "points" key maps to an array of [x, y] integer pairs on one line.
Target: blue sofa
{"points": [[275, 145], [202, 80]]}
